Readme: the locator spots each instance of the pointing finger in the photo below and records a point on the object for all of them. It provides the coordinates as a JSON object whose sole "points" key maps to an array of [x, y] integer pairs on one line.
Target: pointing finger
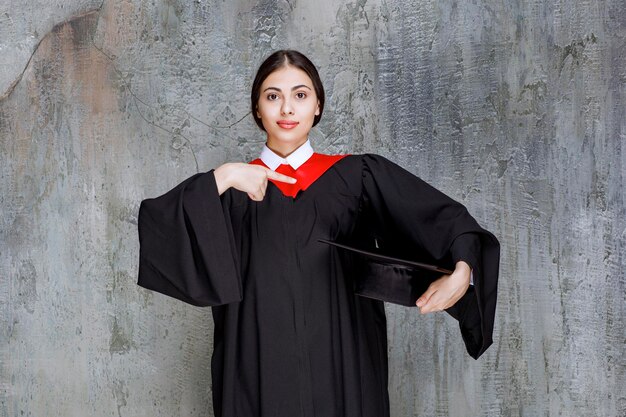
{"points": [[280, 177]]}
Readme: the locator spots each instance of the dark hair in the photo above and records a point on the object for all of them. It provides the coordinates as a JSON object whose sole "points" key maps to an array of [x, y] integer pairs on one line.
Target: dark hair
{"points": [[276, 61]]}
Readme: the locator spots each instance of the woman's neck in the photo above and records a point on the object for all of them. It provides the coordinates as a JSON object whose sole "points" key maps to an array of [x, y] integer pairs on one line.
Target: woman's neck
{"points": [[284, 149]]}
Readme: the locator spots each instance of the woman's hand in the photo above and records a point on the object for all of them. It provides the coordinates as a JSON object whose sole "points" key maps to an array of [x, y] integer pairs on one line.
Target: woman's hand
{"points": [[446, 291], [249, 178]]}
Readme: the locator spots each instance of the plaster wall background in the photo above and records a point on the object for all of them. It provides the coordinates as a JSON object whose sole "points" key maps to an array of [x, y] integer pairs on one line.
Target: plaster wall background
{"points": [[515, 109]]}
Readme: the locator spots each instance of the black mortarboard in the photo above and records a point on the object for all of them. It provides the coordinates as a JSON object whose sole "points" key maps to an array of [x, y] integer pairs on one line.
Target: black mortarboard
{"points": [[388, 278]]}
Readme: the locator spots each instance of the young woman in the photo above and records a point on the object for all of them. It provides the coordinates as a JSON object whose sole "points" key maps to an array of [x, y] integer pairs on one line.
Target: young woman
{"points": [[291, 336]]}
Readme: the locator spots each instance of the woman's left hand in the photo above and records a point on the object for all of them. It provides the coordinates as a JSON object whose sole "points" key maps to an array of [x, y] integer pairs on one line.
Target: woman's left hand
{"points": [[446, 291]]}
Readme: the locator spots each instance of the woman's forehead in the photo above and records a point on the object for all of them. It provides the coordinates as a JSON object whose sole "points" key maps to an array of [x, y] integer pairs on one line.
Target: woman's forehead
{"points": [[287, 76]]}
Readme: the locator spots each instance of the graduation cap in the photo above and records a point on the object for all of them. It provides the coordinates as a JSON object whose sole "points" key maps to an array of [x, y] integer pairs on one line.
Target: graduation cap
{"points": [[388, 278]]}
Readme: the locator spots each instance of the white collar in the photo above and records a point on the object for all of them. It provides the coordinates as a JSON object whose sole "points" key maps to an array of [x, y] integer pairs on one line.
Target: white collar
{"points": [[295, 159]]}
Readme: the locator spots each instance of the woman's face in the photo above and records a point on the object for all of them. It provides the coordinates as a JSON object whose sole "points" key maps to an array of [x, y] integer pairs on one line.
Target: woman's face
{"points": [[287, 107]]}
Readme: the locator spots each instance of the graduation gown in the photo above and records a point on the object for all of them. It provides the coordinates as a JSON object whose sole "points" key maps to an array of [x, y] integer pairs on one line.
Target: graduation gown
{"points": [[291, 337]]}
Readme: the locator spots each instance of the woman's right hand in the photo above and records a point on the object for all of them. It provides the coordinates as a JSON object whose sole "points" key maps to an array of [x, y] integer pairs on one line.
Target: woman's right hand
{"points": [[249, 178]]}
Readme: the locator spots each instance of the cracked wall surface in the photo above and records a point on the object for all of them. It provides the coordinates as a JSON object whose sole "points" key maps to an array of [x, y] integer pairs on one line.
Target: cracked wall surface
{"points": [[22, 27], [515, 109]]}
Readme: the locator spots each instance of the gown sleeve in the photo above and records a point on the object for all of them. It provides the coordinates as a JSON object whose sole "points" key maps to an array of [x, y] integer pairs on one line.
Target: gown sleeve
{"points": [[186, 244], [401, 208]]}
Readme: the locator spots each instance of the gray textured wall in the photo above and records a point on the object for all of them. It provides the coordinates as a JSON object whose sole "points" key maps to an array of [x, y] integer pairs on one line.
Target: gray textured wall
{"points": [[514, 108]]}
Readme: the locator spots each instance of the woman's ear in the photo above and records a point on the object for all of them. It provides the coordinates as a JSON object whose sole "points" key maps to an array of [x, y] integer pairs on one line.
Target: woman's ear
{"points": [[317, 109]]}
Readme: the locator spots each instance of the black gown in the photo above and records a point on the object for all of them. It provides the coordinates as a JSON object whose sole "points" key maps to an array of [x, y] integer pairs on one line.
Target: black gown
{"points": [[291, 337]]}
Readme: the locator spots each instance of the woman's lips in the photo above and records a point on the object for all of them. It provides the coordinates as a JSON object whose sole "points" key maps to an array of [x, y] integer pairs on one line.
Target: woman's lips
{"points": [[285, 124]]}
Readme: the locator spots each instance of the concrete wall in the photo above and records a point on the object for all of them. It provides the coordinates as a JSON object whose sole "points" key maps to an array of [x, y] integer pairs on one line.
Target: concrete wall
{"points": [[514, 108]]}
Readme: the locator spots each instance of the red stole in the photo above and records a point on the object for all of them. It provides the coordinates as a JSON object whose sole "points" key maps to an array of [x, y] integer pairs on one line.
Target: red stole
{"points": [[306, 174]]}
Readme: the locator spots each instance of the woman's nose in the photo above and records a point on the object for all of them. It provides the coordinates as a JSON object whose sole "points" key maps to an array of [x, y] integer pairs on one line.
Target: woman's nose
{"points": [[286, 108]]}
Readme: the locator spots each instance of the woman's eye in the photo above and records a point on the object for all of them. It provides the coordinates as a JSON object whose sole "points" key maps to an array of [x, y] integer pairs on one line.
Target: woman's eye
{"points": [[272, 96], [301, 95]]}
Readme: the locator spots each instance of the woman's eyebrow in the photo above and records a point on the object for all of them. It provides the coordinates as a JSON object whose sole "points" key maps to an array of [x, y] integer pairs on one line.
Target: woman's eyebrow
{"points": [[292, 88]]}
